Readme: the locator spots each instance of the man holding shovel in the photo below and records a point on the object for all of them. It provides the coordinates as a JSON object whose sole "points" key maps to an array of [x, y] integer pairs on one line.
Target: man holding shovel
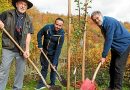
{"points": [[117, 38], [52, 44], [19, 26]]}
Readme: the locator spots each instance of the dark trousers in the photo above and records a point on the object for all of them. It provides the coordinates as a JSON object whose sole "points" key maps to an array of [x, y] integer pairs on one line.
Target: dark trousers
{"points": [[44, 69], [116, 70]]}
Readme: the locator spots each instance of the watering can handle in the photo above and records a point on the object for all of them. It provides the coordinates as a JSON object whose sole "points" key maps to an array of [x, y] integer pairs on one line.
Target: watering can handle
{"points": [[95, 73]]}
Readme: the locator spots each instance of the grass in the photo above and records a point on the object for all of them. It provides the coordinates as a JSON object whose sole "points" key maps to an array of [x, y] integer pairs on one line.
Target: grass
{"points": [[30, 85]]}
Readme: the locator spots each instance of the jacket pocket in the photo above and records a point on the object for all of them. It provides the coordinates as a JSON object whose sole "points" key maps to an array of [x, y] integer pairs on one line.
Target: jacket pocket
{"points": [[6, 42]]}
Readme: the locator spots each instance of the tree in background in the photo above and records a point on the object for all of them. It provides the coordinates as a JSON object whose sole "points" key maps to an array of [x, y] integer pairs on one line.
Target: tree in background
{"points": [[93, 43], [5, 5]]}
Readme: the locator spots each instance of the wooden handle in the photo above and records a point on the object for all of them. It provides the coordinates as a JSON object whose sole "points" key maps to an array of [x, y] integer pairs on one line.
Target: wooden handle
{"points": [[95, 73], [50, 63], [27, 58]]}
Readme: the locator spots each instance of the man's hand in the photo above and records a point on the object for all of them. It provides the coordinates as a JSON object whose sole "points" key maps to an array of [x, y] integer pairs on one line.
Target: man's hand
{"points": [[41, 49], [54, 66], [1, 25], [103, 60], [26, 54]]}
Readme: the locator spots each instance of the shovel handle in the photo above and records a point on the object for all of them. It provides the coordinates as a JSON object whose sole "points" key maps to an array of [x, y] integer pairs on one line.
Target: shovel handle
{"points": [[48, 60], [50, 63], [95, 73], [60, 78], [27, 58]]}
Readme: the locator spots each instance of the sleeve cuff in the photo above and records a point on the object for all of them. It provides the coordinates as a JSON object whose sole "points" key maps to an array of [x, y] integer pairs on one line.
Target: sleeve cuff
{"points": [[103, 55]]}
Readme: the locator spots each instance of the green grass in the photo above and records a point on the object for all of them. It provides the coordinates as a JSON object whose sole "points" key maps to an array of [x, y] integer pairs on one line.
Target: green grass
{"points": [[27, 86], [30, 85]]}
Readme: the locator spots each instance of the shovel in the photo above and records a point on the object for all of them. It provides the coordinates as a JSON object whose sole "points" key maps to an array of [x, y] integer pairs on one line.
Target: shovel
{"points": [[60, 77], [90, 84], [47, 86]]}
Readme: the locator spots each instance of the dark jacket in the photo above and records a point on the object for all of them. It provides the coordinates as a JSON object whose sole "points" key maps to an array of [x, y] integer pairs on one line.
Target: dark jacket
{"points": [[52, 42], [8, 18], [116, 36]]}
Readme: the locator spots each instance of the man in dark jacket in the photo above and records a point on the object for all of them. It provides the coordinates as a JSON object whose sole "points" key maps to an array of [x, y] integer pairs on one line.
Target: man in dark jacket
{"points": [[117, 38], [19, 26], [52, 44]]}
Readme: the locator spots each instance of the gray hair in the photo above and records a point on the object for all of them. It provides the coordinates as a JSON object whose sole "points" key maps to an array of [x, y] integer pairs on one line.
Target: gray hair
{"points": [[95, 13]]}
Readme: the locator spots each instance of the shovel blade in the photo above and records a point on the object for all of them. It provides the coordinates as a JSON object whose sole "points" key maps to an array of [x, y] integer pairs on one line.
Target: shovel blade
{"points": [[55, 87], [88, 85], [62, 80]]}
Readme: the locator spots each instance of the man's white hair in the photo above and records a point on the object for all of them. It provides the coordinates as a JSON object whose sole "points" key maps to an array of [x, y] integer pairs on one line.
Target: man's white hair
{"points": [[95, 13]]}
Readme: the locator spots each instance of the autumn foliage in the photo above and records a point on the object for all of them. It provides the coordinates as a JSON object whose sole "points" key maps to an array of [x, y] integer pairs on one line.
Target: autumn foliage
{"points": [[94, 44]]}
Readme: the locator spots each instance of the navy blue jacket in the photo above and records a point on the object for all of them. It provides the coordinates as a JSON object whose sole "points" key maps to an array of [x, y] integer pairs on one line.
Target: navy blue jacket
{"points": [[116, 36], [52, 42]]}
